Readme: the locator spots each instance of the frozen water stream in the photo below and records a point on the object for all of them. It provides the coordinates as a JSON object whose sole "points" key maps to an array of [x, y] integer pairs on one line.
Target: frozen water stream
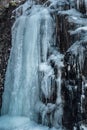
{"points": [[19, 123], [32, 98], [32, 36]]}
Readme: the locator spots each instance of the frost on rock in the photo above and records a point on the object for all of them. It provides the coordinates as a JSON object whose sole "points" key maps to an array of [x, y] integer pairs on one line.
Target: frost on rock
{"points": [[77, 55], [51, 71], [58, 4], [79, 31], [82, 6], [70, 12]]}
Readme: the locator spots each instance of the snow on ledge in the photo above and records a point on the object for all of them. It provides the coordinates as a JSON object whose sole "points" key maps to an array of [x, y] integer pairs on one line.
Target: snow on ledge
{"points": [[83, 127]]}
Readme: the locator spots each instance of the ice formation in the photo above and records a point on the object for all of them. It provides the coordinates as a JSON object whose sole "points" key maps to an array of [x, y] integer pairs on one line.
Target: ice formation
{"points": [[32, 98], [30, 74]]}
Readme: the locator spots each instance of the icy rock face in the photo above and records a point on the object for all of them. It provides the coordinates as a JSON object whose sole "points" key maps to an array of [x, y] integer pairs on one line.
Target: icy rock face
{"points": [[51, 90], [41, 83], [22, 68], [31, 79], [82, 6], [75, 62], [74, 87], [72, 40]]}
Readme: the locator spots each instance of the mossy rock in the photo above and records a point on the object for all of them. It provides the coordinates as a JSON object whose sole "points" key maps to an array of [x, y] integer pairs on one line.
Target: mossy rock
{"points": [[1, 7], [13, 3]]}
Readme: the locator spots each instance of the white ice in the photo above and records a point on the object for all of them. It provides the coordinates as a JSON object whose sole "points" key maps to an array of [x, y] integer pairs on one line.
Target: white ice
{"points": [[19, 123]]}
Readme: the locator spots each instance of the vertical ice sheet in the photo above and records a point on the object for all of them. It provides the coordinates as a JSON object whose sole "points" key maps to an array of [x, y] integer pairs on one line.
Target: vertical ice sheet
{"points": [[22, 84], [86, 6], [59, 111], [47, 34], [13, 73], [53, 112]]}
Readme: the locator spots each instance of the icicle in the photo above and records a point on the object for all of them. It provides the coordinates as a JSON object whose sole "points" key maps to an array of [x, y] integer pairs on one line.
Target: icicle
{"points": [[78, 4], [47, 79], [85, 5], [59, 111]]}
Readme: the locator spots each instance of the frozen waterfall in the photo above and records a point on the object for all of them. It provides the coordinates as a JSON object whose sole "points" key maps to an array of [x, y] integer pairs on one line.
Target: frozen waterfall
{"points": [[30, 78], [46, 79]]}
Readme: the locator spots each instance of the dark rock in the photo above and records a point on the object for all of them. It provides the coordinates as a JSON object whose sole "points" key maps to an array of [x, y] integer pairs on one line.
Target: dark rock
{"points": [[5, 43]]}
